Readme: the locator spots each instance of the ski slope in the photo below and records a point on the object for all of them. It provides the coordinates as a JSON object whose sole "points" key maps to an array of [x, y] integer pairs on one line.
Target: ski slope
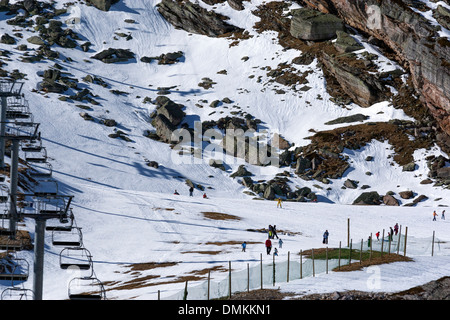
{"points": [[127, 210]]}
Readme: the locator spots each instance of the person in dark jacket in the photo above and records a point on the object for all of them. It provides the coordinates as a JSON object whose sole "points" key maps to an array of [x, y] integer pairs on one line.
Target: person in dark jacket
{"points": [[325, 237], [191, 191]]}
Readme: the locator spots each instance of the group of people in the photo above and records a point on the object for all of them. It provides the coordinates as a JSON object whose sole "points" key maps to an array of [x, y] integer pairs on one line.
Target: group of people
{"points": [[272, 233], [191, 193], [435, 215], [391, 233]]}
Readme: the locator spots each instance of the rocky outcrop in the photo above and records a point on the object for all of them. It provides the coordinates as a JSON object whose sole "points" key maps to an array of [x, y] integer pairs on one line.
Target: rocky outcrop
{"points": [[193, 18], [103, 5], [112, 55], [362, 87], [415, 41], [307, 24], [166, 118], [368, 198]]}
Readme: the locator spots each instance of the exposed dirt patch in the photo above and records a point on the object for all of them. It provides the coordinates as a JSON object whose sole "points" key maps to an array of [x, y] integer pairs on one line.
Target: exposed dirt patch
{"points": [[219, 216]]}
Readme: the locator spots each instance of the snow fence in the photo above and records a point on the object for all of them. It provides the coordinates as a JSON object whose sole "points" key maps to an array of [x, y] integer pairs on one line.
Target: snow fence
{"points": [[267, 275]]}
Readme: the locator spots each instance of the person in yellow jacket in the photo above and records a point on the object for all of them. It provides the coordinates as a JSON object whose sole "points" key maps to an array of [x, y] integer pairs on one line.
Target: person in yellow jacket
{"points": [[279, 203]]}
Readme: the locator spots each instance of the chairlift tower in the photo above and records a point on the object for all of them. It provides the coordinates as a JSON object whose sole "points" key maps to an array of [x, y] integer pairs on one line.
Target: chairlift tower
{"points": [[47, 207], [16, 133], [7, 89]]}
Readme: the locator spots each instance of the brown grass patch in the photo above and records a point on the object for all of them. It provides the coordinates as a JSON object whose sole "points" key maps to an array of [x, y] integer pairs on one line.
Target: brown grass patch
{"points": [[150, 265], [387, 258], [219, 216], [224, 243], [203, 252]]}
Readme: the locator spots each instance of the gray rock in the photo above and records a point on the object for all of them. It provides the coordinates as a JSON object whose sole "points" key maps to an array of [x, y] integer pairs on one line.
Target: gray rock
{"points": [[103, 5], [368, 198], [346, 43], [193, 18], [309, 24]]}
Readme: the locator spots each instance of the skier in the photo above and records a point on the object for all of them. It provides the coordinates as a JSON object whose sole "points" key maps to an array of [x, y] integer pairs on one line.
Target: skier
{"points": [[443, 215], [244, 245], [280, 243], [205, 196], [191, 191], [434, 215], [275, 252], [378, 235], [369, 241], [176, 192], [268, 246], [279, 203], [274, 232], [391, 233], [325, 237]]}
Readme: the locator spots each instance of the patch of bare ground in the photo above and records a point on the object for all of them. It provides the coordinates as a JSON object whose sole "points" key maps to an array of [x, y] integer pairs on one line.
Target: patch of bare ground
{"points": [[219, 216], [262, 294], [22, 239], [224, 243], [210, 252]]}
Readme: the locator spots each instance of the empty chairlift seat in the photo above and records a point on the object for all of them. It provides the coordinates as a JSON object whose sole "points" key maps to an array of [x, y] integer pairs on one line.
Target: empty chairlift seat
{"points": [[72, 238], [15, 293], [76, 257], [36, 156], [86, 288]]}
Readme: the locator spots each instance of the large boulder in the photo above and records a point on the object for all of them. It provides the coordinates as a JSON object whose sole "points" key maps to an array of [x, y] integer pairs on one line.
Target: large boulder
{"points": [[368, 198], [164, 128], [309, 24], [103, 5], [172, 111], [112, 55], [194, 18]]}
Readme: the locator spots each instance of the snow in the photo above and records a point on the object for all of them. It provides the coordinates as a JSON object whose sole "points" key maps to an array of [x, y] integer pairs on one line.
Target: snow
{"points": [[127, 210]]}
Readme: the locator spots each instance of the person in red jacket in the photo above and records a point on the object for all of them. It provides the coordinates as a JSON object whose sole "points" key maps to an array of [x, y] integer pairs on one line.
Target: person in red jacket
{"points": [[268, 246]]}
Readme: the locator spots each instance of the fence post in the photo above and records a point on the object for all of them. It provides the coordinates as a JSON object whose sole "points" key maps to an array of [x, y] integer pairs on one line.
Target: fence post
{"points": [[185, 291], [289, 253], [229, 272], [273, 270], [248, 278], [326, 258], [382, 243], [406, 237], [399, 237], [159, 295], [209, 280], [312, 255], [348, 232], [432, 246], [371, 241]]}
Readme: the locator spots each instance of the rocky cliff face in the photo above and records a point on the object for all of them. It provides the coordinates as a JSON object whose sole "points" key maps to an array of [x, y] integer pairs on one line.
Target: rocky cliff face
{"points": [[413, 39]]}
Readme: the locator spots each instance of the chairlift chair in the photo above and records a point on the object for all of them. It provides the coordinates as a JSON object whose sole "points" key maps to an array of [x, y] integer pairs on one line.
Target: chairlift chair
{"points": [[38, 156], [14, 269], [46, 188], [76, 257], [42, 172], [86, 288], [72, 238], [15, 293], [31, 146]]}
